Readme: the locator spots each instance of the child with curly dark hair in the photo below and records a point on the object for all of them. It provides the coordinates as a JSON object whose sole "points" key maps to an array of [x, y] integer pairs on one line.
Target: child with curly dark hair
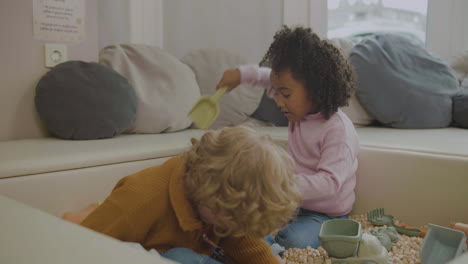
{"points": [[310, 80]]}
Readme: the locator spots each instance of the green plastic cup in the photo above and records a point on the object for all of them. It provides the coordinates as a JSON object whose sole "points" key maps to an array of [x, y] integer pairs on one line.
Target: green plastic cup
{"points": [[340, 237]]}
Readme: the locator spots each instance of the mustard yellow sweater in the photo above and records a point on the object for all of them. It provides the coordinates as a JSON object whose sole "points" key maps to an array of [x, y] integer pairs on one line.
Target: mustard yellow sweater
{"points": [[151, 207]]}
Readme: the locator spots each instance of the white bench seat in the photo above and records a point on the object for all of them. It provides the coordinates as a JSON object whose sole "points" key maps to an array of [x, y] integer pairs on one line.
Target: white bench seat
{"points": [[419, 176]]}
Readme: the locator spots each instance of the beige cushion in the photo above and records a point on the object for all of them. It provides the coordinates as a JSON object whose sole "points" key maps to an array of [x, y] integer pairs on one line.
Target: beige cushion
{"points": [[396, 164], [42, 155], [166, 89], [209, 66], [405, 161], [422, 141], [354, 110]]}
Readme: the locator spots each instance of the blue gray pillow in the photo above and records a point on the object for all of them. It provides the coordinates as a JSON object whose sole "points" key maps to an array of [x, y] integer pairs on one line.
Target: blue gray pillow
{"points": [[267, 111], [81, 100], [460, 109], [401, 84]]}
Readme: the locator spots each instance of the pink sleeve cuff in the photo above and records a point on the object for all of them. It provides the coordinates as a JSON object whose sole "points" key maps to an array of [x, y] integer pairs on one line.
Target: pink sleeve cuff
{"points": [[256, 76]]}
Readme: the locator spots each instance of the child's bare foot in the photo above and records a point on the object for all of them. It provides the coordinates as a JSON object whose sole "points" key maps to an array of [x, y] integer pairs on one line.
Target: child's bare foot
{"points": [[78, 216]]}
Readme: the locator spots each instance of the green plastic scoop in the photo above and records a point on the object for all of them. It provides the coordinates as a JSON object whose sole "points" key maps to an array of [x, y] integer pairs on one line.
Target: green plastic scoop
{"points": [[206, 109], [378, 217]]}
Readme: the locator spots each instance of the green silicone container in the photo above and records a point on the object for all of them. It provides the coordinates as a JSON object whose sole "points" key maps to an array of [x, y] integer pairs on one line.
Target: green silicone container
{"points": [[340, 237]]}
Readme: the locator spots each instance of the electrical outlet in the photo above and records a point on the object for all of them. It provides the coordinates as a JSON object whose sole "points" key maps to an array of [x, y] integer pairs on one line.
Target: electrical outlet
{"points": [[55, 54]]}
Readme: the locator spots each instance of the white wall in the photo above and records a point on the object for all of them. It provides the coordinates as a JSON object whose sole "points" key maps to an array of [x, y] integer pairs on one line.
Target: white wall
{"points": [[130, 21], [22, 65], [309, 13], [113, 22], [447, 27], [180, 26], [242, 26]]}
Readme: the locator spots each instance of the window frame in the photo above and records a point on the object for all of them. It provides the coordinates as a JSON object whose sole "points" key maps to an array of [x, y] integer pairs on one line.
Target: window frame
{"points": [[446, 32]]}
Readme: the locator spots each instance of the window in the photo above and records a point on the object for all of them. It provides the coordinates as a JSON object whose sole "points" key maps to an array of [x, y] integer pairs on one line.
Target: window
{"points": [[357, 19]]}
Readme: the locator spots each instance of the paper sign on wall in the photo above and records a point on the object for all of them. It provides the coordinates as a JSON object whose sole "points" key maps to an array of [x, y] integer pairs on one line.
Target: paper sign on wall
{"points": [[59, 20]]}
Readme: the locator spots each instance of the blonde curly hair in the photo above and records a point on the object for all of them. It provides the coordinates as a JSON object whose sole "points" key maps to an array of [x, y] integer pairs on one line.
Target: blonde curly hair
{"points": [[244, 178]]}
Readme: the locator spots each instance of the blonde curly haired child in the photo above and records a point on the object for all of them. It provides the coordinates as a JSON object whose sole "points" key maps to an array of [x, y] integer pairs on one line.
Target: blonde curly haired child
{"points": [[213, 203]]}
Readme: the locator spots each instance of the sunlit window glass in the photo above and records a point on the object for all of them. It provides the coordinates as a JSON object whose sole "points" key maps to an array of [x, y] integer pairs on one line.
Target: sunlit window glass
{"points": [[357, 19]]}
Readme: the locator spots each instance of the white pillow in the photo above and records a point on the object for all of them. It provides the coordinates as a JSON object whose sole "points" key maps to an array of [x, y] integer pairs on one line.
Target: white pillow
{"points": [[460, 67], [209, 66], [343, 44], [354, 110], [166, 89]]}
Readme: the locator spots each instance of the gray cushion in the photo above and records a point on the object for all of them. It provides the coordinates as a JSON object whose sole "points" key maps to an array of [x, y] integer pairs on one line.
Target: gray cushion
{"points": [[269, 112], [460, 109], [401, 84], [80, 100]]}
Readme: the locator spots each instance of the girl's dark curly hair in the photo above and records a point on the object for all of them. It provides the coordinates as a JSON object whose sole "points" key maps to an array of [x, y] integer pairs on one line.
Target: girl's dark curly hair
{"points": [[326, 74]]}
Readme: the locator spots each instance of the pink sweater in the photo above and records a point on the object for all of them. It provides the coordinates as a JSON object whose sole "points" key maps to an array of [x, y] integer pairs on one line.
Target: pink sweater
{"points": [[325, 153]]}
